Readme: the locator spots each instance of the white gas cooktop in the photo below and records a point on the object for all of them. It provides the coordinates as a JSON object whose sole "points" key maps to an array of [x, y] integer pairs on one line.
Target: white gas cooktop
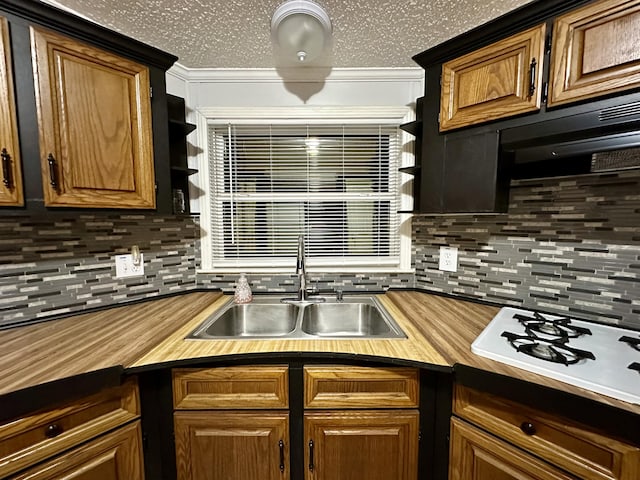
{"points": [[607, 372]]}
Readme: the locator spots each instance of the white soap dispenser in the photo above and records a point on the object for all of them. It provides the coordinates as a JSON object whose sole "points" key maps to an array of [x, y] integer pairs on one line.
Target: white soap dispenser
{"points": [[242, 293]]}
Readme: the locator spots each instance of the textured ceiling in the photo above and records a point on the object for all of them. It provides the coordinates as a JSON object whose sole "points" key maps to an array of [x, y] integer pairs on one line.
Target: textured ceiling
{"points": [[235, 33]]}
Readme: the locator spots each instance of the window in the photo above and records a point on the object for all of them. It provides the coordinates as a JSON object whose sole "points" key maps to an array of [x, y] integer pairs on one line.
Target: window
{"points": [[338, 185]]}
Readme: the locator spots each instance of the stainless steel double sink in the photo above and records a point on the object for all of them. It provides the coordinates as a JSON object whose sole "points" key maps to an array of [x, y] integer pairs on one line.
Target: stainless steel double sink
{"points": [[267, 317]]}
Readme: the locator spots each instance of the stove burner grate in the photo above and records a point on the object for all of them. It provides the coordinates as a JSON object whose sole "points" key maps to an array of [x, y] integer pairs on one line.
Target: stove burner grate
{"points": [[550, 350], [558, 329], [633, 342]]}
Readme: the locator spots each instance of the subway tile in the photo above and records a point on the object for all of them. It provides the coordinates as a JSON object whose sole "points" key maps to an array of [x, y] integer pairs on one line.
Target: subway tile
{"points": [[564, 239]]}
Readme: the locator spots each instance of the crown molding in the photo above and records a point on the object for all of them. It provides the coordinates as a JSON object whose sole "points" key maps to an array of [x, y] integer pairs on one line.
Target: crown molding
{"points": [[318, 113], [304, 74]]}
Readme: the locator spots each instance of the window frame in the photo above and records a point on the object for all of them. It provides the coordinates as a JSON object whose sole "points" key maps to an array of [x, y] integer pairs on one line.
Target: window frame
{"points": [[338, 115]]}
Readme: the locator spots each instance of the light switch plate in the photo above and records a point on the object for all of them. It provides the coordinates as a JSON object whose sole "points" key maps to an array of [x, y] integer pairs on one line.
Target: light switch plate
{"points": [[125, 267], [448, 259]]}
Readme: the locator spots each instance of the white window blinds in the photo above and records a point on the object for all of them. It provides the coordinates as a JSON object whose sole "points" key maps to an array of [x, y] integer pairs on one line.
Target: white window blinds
{"points": [[336, 185]]}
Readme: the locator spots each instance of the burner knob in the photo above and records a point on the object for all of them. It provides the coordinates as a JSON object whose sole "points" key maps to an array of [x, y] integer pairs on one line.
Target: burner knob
{"points": [[528, 428]]}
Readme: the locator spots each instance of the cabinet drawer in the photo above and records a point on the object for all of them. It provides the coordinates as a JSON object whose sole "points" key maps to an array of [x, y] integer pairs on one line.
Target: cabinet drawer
{"points": [[478, 455], [116, 455], [33, 438], [360, 387], [573, 447], [231, 387]]}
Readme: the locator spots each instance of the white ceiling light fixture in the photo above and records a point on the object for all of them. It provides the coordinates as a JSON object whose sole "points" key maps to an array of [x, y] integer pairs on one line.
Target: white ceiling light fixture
{"points": [[301, 31]]}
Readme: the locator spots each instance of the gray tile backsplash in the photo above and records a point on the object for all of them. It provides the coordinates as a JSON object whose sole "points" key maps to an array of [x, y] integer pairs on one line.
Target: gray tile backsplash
{"points": [[569, 245], [324, 283], [63, 262]]}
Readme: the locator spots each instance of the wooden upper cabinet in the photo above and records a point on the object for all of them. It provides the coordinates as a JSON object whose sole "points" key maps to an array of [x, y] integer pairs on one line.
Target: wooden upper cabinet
{"points": [[94, 115], [497, 81], [595, 51], [11, 184]]}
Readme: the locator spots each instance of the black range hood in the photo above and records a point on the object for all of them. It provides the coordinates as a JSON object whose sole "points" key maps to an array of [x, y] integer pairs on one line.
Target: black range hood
{"points": [[574, 144]]}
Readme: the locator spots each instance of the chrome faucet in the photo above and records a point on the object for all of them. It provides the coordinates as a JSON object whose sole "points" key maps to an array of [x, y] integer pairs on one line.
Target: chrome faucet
{"points": [[302, 294], [300, 271]]}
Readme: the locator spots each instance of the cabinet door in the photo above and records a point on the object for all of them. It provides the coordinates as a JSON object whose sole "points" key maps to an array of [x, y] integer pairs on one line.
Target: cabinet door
{"points": [[497, 81], [94, 114], [476, 455], [361, 445], [595, 51], [11, 185], [232, 445], [474, 177], [115, 456]]}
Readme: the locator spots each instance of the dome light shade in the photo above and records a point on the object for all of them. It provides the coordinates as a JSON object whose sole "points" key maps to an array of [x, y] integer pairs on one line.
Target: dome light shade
{"points": [[301, 30]]}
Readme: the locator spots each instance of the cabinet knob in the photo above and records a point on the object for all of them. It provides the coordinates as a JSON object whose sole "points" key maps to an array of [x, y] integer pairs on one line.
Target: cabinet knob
{"points": [[53, 430], [528, 428]]}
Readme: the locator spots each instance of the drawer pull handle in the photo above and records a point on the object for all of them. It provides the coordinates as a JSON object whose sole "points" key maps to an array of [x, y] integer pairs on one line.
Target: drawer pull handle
{"points": [[311, 466], [53, 430], [6, 168], [532, 77], [528, 428], [53, 177], [281, 446]]}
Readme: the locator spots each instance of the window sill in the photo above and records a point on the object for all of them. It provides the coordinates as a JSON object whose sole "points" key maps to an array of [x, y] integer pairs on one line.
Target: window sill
{"points": [[310, 271]]}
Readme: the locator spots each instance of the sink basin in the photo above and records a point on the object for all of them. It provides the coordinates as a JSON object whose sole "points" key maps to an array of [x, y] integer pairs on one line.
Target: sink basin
{"points": [[250, 321], [345, 320], [266, 317]]}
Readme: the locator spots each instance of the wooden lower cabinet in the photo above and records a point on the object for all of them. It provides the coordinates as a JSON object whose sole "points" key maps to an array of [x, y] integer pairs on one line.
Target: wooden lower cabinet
{"points": [[114, 456], [223, 445], [573, 447], [361, 445], [476, 455]]}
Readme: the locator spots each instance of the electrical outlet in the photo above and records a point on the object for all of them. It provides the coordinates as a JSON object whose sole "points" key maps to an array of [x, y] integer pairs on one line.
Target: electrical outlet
{"points": [[126, 268], [448, 259]]}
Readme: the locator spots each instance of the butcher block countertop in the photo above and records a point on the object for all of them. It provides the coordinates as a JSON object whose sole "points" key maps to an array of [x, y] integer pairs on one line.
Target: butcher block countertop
{"points": [[439, 332]]}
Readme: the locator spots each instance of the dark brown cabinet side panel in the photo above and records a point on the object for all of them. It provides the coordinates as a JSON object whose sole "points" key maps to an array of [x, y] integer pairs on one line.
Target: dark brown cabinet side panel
{"points": [[474, 179]]}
